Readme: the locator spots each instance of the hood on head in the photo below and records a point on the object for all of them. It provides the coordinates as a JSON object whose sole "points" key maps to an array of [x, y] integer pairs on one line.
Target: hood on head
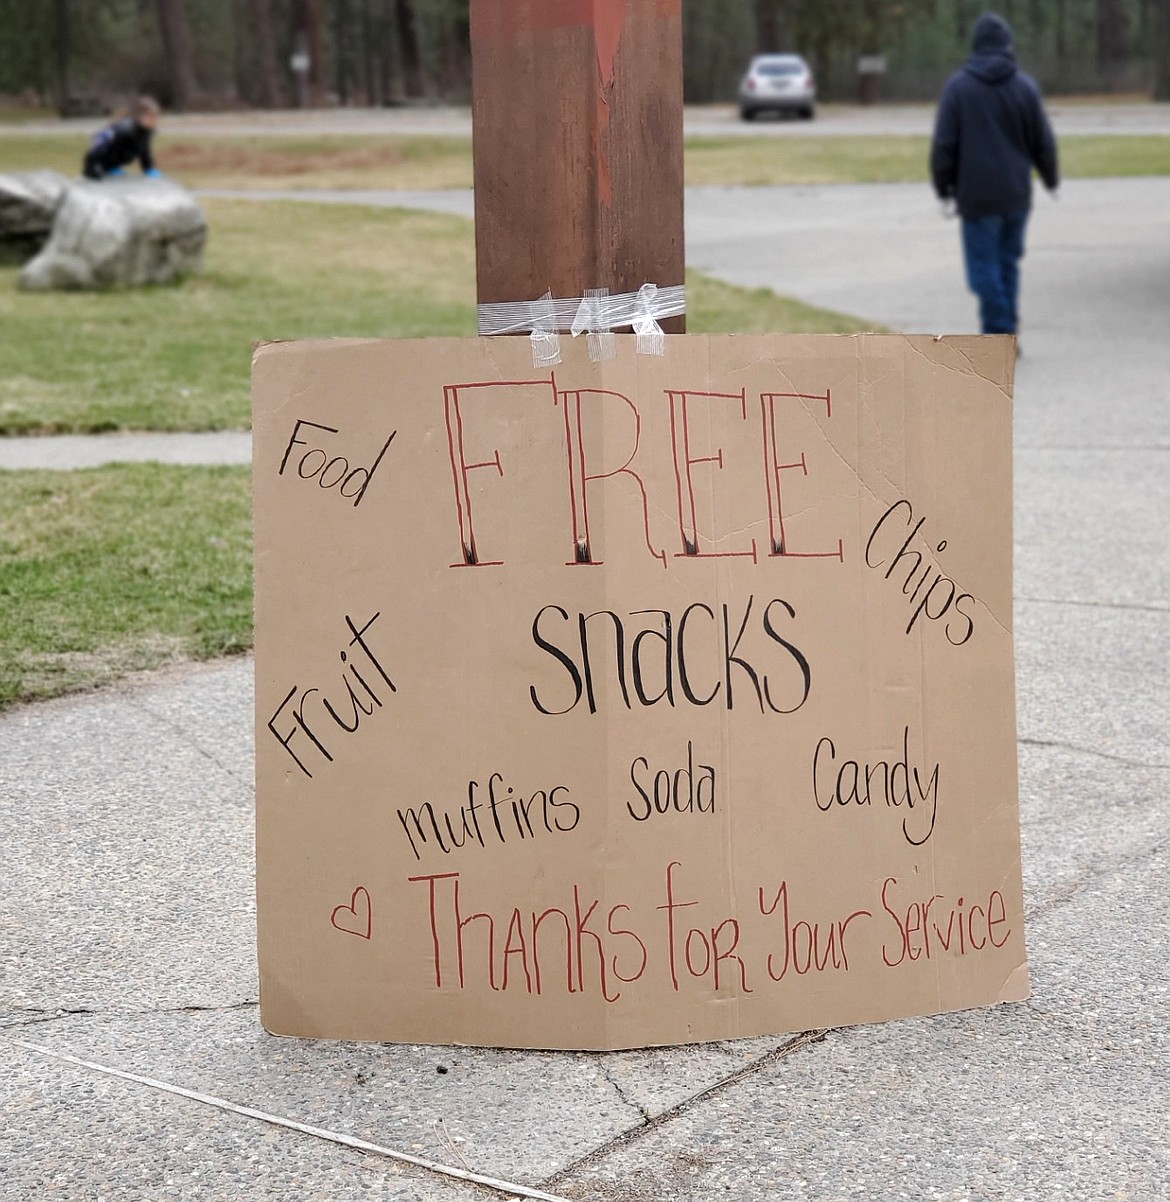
{"points": [[992, 60], [993, 35]]}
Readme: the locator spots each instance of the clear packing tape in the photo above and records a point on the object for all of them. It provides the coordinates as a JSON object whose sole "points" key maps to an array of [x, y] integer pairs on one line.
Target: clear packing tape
{"points": [[596, 315]]}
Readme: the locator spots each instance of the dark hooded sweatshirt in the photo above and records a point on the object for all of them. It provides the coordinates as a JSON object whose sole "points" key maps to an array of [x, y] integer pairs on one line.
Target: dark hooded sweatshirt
{"points": [[117, 146], [991, 130]]}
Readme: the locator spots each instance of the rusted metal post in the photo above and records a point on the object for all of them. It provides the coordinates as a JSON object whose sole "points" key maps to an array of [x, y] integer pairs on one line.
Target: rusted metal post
{"points": [[577, 114]]}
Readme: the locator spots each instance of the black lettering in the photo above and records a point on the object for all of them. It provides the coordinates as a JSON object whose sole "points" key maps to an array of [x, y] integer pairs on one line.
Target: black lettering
{"points": [[683, 677], [583, 621], [558, 655], [294, 441], [795, 652], [642, 792], [415, 817]]}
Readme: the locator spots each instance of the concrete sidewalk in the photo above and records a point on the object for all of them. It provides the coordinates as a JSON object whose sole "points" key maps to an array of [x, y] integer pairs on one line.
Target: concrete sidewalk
{"points": [[64, 451], [127, 928]]}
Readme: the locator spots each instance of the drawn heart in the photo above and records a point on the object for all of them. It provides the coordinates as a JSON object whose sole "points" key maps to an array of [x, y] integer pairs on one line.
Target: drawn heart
{"points": [[358, 917]]}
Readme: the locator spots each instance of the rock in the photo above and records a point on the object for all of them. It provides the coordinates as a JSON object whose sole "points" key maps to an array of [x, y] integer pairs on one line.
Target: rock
{"points": [[28, 203], [148, 231]]}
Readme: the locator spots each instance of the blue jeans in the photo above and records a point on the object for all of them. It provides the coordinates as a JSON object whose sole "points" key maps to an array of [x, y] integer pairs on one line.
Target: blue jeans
{"points": [[992, 248]]}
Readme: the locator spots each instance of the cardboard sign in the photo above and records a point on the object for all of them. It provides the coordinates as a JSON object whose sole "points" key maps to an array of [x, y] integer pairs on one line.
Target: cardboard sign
{"points": [[641, 702]]}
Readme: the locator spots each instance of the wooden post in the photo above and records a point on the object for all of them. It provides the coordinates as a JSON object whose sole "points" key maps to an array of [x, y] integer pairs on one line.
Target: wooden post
{"points": [[577, 116]]}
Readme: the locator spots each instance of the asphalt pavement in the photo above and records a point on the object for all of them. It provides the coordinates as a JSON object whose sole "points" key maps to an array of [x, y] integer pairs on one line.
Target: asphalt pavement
{"points": [[126, 907], [1079, 116]]}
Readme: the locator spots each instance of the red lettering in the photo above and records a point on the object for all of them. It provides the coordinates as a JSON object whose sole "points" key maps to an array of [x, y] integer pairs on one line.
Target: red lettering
{"points": [[893, 880], [700, 972], [580, 476], [460, 923], [519, 948], [680, 441], [582, 931], [670, 907], [994, 922], [536, 921], [630, 934], [772, 470], [439, 876], [461, 468], [781, 896], [796, 948], [971, 930], [924, 936], [729, 952]]}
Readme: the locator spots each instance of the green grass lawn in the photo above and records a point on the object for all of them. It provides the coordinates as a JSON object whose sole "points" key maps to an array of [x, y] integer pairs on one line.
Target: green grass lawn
{"points": [[890, 160], [118, 568], [177, 357], [365, 161]]}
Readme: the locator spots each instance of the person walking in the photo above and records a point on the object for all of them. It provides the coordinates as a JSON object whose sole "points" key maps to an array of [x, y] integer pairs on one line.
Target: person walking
{"points": [[991, 130]]}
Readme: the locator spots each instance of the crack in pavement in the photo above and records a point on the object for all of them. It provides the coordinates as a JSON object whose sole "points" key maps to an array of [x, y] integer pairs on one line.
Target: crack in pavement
{"points": [[1064, 894], [1126, 606], [621, 1093], [1101, 755], [27, 1016], [183, 735], [796, 1044]]}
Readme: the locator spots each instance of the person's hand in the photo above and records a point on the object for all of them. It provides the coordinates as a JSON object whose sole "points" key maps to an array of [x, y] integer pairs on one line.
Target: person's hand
{"points": [[153, 173], [947, 207]]}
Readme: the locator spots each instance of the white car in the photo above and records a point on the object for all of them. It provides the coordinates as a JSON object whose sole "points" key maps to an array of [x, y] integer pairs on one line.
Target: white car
{"points": [[778, 83]]}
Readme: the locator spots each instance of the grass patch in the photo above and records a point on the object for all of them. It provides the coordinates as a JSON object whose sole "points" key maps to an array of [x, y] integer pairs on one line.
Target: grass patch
{"points": [[900, 159], [19, 114], [273, 160], [177, 357], [714, 307], [1101, 156], [368, 161], [755, 161], [120, 568]]}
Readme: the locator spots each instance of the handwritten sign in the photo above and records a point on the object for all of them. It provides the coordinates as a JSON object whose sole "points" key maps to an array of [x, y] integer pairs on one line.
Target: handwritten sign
{"points": [[642, 702]]}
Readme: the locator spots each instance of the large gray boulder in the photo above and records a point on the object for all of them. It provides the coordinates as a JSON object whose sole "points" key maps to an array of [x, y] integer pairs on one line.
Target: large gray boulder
{"points": [[28, 204], [120, 232]]}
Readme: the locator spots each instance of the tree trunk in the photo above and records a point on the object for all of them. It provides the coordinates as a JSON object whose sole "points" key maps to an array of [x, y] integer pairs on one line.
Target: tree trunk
{"points": [[408, 47], [963, 20], [315, 36], [774, 20], [370, 83], [1161, 47], [1111, 38], [176, 37], [871, 27], [264, 42], [454, 55], [62, 39], [309, 24], [767, 34], [341, 49]]}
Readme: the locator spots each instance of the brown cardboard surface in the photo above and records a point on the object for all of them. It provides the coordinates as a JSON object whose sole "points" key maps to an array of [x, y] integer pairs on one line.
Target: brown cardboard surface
{"points": [[641, 702]]}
